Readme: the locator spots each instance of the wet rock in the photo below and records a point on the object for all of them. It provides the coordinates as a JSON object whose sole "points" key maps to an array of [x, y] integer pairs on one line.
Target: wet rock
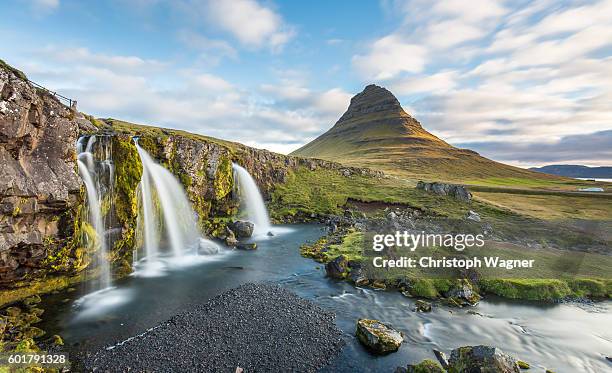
{"points": [[378, 337], [243, 229], [442, 358], [422, 306], [247, 246], [473, 216], [523, 365], [270, 234], [482, 359], [337, 268], [462, 294], [425, 366]]}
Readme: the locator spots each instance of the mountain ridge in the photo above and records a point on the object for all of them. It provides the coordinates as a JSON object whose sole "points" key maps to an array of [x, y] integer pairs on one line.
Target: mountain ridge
{"points": [[572, 170]]}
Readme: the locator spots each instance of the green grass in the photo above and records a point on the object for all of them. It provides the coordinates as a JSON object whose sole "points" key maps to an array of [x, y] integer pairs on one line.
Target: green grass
{"points": [[552, 206], [325, 192]]}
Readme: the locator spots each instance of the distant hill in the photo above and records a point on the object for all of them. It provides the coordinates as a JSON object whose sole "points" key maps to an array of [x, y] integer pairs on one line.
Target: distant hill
{"points": [[376, 132], [571, 170]]}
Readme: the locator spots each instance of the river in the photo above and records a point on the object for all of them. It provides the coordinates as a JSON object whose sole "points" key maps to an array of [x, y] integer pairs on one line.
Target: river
{"points": [[562, 337]]}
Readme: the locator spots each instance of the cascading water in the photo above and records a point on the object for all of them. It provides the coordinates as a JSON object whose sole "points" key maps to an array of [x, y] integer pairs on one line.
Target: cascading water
{"points": [[161, 194], [256, 209], [98, 176]]}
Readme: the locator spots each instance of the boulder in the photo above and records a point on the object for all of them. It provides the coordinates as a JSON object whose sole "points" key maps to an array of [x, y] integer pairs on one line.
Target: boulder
{"points": [[425, 366], [247, 246], [481, 359], [337, 268], [243, 229], [473, 216], [378, 337], [462, 294], [422, 306]]}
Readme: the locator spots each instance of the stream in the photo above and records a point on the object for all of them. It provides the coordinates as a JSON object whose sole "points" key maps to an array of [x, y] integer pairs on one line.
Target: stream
{"points": [[561, 337]]}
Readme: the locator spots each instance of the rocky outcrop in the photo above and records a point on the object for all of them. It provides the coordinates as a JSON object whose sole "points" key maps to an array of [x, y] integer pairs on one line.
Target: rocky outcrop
{"points": [[378, 337], [459, 192], [243, 229], [39, 188], [481, 359], [337, 268]]}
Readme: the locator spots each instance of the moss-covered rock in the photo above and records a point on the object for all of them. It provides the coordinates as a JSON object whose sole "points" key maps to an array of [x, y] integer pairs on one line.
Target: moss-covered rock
{"points": [[378, 337]]}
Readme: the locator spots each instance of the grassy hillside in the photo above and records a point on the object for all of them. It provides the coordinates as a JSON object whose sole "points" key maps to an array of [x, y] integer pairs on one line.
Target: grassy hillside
{"points": [[376, 132]]}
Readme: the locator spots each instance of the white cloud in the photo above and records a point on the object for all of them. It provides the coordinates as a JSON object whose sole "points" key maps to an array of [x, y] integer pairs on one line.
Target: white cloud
{"points": [[390, 56], [252, 23], [438, 82], [212, 51]]}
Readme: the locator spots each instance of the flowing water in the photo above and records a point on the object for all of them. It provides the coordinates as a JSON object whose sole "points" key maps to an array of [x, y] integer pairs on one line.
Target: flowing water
{"points": [[161, 194], [561, 337], [96, 169], [252, 199]]}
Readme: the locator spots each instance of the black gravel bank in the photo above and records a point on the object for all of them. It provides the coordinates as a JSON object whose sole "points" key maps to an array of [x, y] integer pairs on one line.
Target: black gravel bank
{"points": [[258, 327]]}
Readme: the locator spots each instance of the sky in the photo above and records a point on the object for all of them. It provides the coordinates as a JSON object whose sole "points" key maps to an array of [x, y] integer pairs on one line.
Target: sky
{"points": [[525, 83]]}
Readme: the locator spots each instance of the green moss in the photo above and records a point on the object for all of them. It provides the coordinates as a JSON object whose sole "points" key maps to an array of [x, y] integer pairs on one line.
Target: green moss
{"points": [[426, 366], [546, 289], [224, 179], [523, 365], [46, 285]]}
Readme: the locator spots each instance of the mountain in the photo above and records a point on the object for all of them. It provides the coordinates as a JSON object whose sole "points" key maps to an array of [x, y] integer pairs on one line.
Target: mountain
{"points": [[376, 132], [571, 170]]}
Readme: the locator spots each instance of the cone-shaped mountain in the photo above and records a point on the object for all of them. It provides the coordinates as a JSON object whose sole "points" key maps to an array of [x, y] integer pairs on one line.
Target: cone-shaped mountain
{"points": [[376, 132]]}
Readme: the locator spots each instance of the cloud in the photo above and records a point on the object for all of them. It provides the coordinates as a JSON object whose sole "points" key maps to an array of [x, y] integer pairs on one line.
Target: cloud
{"points": [[390, 56], [524, 75], [212, 51], [253, 24]]}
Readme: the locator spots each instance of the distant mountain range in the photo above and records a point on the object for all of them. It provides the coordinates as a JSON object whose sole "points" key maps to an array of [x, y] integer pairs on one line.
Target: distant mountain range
{"points": [[376, 132], [571, 170]]}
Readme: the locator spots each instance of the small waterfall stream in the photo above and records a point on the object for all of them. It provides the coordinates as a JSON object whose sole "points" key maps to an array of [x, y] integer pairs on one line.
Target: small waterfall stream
{"points": [[256, 209], [97, 171], [161, 195]]}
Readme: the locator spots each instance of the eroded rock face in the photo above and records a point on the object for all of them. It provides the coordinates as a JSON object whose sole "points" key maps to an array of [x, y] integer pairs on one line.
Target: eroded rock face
{"points": [[378, 337], [39, 188]]}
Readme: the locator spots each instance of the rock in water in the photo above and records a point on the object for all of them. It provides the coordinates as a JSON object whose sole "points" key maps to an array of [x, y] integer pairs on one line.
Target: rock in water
{"points": [[425, 366], [243, 229], [337, 268], [247, 246], [422, 306], [482, 359], [378, 337]]}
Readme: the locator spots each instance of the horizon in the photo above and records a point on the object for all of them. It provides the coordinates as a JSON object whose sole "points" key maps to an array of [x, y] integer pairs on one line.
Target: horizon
{"points": [[527, 84]]}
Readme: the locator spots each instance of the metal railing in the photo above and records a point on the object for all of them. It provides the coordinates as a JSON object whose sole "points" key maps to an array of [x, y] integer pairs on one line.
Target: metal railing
{"points": [[71, 103]]}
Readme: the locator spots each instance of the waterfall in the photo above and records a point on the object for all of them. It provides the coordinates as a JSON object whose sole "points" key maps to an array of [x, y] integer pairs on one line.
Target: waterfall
{"points": [[98, 177], [178, 218], [256, 209]]}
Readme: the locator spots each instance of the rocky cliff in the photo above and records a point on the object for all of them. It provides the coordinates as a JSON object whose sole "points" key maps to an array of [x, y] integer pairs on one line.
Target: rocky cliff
{"points": [[40, 192]]}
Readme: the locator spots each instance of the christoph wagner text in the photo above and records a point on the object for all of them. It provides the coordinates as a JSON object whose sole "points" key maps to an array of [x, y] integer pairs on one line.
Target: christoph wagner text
{"points": [[413, 240], [464, 263]]}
